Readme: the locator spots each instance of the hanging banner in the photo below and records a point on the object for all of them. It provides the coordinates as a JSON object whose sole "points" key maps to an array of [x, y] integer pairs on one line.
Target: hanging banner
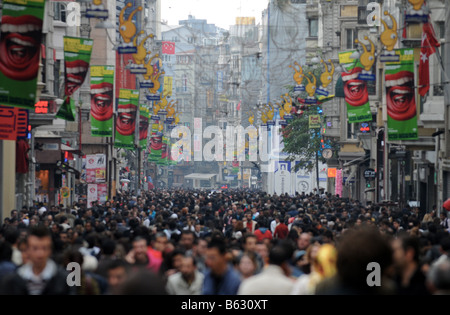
{"points": [[102, 85], [67, 111], [100, 170], [77, 56], [144, 113], [20, 46], [355, 89], [400, 97], [92, 194], [168, 85], [338, 183], [155, 143], [126, 118], [164, 160]]}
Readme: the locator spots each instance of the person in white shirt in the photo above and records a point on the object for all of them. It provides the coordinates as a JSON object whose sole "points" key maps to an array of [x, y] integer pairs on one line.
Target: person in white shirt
{"points": [[188, 281], [274, 279]]}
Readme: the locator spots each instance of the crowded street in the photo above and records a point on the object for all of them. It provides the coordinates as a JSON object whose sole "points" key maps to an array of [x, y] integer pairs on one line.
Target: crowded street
{"points": [[224, 153]]}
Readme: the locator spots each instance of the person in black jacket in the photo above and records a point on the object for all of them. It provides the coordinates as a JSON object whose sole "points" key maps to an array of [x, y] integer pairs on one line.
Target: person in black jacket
{"points": [[41, 275]]}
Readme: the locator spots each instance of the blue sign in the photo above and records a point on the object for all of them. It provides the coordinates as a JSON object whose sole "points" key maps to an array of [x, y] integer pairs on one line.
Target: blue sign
{"points": [[146, 85], [153, 97]]}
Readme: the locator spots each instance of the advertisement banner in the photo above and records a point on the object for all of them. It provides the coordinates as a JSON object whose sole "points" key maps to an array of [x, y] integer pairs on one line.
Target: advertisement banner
{"points": [[102, 192], [126, 118], [144, 114], [77, 56], [355, 89], [67, 111], [92, 194], [164, 160], [338, 183], [155, 144], [102, 103], [400, 97], [20, 46]]}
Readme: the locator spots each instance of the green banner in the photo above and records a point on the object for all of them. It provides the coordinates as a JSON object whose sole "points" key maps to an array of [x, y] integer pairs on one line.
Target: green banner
{"points": [[20, 47], [102, 110], [164, 160], [400, 97], [355, 89], [67, 110], [126, 118], [144, 113], [155, 144], [77, 56]]}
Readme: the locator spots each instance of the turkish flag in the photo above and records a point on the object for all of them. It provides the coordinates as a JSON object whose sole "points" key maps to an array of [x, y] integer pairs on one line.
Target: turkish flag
{"points": [[428, 47], [168, 48]]}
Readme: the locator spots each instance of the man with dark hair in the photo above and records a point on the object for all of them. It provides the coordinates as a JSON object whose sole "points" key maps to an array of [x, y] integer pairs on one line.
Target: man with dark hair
{"points": [[186, 242], [117, 273], [41, 275], [188, 281], [221, 278], [410, 280], [139, 256], [274, 279]]}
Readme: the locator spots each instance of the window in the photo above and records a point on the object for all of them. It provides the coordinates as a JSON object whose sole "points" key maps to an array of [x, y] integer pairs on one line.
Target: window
{"points": [[440, 29], [351, 35], [59, 11], [351, 128], [313, 26]]}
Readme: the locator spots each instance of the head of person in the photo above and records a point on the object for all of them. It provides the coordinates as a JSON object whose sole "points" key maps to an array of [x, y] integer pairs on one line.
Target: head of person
{"points": [[405, 251], [39, 247], [248, 264], [188, 266], [304, 241], [249, 243], [357, 248], [216, 256], [201, 247], [117, 273], [262, 250], [160, 241], [187, 239], [280, 254], [142, 282], [140, 249], [438, 277]]}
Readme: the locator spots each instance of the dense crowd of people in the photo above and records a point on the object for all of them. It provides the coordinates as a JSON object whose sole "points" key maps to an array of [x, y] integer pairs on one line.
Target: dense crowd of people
{"points": [[231, 242]]}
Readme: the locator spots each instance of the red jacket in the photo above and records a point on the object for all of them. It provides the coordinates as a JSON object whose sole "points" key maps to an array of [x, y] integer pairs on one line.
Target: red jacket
{"points": [[281, 231], [263, 233]]}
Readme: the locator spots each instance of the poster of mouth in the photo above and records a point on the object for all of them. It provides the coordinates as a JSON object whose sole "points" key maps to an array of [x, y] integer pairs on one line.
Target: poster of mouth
{"points": [[155, 143], [144, 113], [164, 160], [355, 89], [102, 87], [400, 98], [77, 56], [126, 118], [20, 46]]}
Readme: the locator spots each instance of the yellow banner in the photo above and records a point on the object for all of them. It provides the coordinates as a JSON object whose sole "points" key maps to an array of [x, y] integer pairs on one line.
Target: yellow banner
{"points": [[77, 44], [168, 85]]}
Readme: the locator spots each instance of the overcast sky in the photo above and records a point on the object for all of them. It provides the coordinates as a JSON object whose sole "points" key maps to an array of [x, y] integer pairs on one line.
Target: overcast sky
{"points": [[223, 13]]}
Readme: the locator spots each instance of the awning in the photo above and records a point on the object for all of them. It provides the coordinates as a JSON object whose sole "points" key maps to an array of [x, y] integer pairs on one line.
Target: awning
{"points": [[200, 176], [65, 147]]}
